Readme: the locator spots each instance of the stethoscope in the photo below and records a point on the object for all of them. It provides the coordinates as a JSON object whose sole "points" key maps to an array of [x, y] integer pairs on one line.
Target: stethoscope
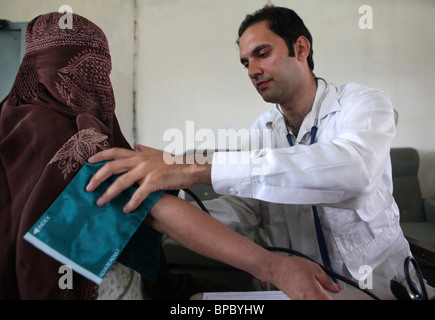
{"points": [[315, 127], [319, 232]]}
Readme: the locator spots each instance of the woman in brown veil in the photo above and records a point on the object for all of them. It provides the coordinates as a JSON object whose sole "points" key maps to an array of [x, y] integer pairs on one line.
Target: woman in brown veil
{"points": [[59, 111]]}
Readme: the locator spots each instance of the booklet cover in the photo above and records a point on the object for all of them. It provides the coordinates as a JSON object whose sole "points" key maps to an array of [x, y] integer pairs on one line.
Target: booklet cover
{"points": [[88, 238]]}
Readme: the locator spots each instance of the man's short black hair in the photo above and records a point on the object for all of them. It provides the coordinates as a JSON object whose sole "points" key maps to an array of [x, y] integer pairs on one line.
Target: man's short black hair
{"points": [[285, 23]]}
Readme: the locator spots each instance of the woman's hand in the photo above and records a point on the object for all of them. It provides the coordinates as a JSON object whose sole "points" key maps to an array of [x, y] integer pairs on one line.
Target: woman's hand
{"points": [[301, 279]]}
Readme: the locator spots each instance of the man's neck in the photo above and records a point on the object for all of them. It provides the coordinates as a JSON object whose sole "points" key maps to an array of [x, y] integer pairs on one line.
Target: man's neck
{"points": [[301, 104]]}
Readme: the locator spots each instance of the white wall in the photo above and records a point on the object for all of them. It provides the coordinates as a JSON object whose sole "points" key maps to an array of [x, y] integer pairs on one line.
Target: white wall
{"points": [[188, 66]]}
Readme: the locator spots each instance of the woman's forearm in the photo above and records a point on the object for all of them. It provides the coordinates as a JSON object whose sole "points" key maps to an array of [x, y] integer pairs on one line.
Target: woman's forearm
{"points": [[203, 234]]}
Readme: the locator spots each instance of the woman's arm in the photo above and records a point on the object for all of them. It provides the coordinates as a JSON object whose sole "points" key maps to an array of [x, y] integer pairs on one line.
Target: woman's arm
{"points": [[297, 277]]}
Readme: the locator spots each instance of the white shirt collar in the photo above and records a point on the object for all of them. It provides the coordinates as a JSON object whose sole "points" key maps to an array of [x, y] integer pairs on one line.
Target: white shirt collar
{"points": [[329, 105]]}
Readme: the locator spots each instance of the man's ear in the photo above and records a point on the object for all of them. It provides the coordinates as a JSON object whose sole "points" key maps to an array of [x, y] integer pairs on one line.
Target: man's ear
{"points": [[302, 48]]}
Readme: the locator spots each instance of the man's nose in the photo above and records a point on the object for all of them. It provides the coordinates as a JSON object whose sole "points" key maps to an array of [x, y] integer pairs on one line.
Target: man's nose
{"points": [[254, 70]]}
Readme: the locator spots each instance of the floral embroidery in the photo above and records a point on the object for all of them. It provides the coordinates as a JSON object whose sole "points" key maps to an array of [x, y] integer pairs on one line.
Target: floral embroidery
{"points": [[85, 83], [76, 151]]}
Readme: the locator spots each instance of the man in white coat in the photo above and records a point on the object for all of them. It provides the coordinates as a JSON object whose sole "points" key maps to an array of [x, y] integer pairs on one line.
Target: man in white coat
{"points": [[328, 152]]}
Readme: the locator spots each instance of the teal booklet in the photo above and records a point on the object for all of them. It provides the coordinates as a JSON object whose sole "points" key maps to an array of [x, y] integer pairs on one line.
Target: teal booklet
{"points": [[89, 239]]}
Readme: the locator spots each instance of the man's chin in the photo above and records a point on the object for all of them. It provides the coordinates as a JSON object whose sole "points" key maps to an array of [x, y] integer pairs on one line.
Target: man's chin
{"points": [[267, 98]]}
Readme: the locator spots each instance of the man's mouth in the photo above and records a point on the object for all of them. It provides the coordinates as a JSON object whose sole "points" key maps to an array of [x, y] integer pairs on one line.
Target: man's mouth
{"points": [[261, 85]]}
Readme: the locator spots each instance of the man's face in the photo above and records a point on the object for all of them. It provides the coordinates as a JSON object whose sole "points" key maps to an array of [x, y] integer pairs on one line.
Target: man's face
{"points": [[266, 56]]}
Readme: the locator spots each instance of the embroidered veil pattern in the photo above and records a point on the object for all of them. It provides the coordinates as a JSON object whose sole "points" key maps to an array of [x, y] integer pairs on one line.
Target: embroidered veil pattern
{"points": [[44, 32], [76, 151], [85, 83]]}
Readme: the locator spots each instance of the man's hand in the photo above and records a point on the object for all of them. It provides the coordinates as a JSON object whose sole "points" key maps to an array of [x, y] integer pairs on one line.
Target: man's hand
{"points": [[148, 168]]}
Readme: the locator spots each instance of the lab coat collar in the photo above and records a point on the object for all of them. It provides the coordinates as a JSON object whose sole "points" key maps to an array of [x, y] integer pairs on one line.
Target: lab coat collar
{"points": [[329, 105]]}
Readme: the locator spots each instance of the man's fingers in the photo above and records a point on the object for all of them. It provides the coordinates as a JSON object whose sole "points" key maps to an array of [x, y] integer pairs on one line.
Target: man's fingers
{"points": [[148, 150], [120, 184], [111, 154], [134, 166], [138, 197], [141, 148], [109, 169]]}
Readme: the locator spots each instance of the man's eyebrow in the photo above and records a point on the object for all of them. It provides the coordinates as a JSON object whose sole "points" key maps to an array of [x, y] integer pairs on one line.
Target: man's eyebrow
{"points": [[260, 47], [255, 51]]}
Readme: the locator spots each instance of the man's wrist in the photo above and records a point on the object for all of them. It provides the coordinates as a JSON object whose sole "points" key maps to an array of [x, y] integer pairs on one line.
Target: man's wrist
{"points": [[201, 173], [197, 167]]}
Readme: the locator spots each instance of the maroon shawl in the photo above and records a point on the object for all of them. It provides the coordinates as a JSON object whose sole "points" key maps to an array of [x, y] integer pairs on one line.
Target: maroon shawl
{"points": [[59, 112]]}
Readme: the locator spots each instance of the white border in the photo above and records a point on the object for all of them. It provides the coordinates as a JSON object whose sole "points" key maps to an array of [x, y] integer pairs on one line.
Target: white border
{"points": [[61, 258]]}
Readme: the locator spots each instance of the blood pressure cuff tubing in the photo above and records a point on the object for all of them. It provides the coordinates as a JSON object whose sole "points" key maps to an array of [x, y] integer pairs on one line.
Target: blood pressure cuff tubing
{"points": [[89, 239]]}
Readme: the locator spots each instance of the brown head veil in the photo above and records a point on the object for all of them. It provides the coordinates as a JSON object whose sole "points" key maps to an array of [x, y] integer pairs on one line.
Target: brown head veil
{"points": [[59, 112]]}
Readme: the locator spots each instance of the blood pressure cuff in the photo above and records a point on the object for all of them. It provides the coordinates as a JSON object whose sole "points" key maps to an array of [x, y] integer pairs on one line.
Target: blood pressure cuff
{"points": [[89, 239]]}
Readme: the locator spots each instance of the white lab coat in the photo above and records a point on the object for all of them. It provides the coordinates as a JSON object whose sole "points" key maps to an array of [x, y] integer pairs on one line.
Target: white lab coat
{"points": [[346, 173]]}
